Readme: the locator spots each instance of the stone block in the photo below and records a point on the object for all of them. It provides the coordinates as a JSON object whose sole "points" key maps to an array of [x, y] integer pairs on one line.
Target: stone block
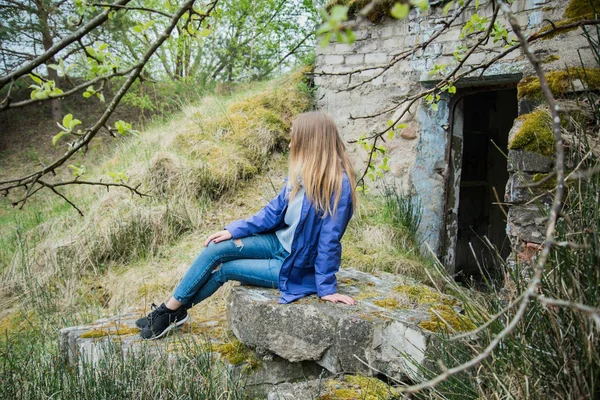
{"points": [[535, 19], [516, 193], [341, 48], [367, 46], [525, 224], [450, 35], [362, 34], [271, 370], [387, 31], [341, 338], [307, 390], [334, 59], [88, 345], [434, 49], [525, 161], [394, 44], [376, 58], [355, 59]]}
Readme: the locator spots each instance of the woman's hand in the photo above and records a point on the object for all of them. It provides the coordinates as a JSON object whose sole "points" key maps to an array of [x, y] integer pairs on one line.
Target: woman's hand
{"points": [[339, 298], [218, 237]]}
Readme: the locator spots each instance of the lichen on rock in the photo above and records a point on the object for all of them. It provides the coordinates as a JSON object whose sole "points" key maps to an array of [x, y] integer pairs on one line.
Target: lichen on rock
{"points": [[446, 319], [560, 82], [121, 330], [535, 134], [236, 353], [353, 387], [577, 10], [421, 294], [548, 184]]}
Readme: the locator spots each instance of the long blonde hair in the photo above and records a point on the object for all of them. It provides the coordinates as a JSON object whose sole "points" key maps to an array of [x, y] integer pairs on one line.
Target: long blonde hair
{"points": [[318, 160]]}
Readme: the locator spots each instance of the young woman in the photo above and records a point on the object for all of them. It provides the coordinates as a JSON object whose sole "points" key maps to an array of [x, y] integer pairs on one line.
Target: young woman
{"points": [[293, 243]]}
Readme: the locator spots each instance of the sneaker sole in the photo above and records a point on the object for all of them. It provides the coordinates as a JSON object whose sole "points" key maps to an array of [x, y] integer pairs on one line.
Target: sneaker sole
{"points": [[172, 326]]}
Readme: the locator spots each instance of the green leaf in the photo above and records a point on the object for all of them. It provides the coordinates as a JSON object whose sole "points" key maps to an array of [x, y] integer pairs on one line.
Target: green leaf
{"points": [[205, 32], [77, 171], [36, 79], [401, 126], [74, 123], [325, 40], [452, 89], [57, 137], [53, 66], [350, 36], [422, 4], [100, 96], [87, 94], [91, 51], [138, 29], [67, 120], [391, 135], [56, 92], [434, 107], [339, 13], [400, 10], [447, 7]]}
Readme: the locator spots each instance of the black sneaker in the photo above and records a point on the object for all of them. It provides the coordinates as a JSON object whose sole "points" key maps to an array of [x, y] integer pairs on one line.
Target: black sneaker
{"points": [[161, 320], [143, 322]]}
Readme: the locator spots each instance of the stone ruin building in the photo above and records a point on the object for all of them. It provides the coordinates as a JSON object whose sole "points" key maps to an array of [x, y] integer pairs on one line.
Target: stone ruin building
{"points": [[451, 160]]}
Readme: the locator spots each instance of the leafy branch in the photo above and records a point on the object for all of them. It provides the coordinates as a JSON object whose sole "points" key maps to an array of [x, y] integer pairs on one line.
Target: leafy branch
{"points": [[83, 137]]}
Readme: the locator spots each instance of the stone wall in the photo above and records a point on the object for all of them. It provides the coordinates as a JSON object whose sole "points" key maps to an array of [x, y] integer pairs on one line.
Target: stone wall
{"points": [[418, 155]]}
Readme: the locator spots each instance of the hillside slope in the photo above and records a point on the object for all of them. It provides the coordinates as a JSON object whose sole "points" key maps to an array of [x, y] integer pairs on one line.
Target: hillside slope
{"points": [[219, 160]]}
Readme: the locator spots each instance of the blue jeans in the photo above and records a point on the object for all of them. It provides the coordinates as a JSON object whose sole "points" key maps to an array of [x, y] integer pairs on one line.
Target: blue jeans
{"points": [[255, 260]]}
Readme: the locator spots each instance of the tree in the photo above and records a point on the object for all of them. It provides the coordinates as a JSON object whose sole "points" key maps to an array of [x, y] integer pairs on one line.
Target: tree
{"points": [[84, 46], [102, 65]]}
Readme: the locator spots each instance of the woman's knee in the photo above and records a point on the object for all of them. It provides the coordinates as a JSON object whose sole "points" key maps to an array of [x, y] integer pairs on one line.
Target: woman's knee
{"points": [[217, 250]]}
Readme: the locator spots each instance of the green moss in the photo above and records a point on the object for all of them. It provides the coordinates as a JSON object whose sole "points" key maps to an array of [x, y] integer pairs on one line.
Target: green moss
{"points": [[551, 58], [577, 10], [353, 387], [347, 281], [235, 352], [582, 9], [381, 9], [535, 134], [366, 295], [389, 302], [450, 320], [107, 331], [559, 82], [421, 294], [550, 184]]}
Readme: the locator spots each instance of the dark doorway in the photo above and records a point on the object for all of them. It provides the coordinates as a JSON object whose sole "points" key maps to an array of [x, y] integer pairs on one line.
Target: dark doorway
{"points": [[478, 176]]}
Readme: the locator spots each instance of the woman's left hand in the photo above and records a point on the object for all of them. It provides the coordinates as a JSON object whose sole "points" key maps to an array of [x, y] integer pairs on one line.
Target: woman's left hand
{"points": [[339, 298]]}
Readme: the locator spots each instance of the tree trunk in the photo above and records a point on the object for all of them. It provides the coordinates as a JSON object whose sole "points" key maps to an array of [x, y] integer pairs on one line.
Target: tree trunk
{"points": [[47, 42]]}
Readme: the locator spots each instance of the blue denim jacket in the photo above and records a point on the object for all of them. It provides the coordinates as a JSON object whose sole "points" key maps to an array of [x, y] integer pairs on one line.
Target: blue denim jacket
{"points": [[316, 248]]}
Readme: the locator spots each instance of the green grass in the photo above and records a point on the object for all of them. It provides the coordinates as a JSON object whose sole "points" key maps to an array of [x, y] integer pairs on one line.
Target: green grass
{"points": [[38, 371]]}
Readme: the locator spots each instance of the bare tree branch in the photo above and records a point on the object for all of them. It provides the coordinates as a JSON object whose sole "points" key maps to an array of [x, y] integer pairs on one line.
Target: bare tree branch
{"points": [[90, 133], [78, 34]]}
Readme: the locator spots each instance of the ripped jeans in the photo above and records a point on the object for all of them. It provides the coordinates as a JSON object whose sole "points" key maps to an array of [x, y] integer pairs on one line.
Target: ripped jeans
{"points": [[255, 260]]}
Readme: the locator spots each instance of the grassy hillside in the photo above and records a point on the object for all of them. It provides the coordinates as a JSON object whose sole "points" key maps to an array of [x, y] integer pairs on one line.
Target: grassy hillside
{"points": [[220, 159]]}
